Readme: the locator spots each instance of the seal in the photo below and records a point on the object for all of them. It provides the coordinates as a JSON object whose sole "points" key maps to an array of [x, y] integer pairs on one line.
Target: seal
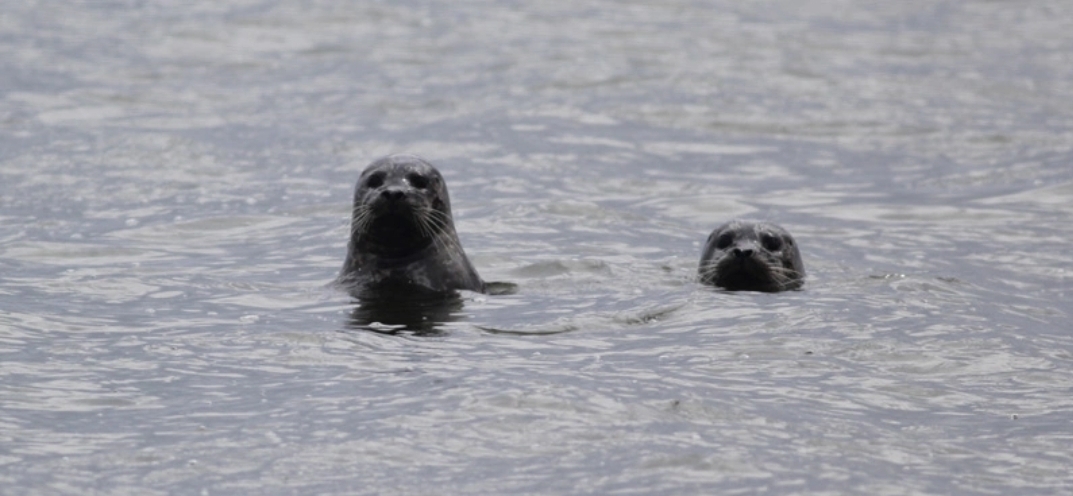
{"points": [[748, 256], [402, 236]]}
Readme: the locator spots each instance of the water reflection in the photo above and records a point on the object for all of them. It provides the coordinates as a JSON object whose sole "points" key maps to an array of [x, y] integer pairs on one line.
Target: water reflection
{"points": [[395, 312], [391, 310]]}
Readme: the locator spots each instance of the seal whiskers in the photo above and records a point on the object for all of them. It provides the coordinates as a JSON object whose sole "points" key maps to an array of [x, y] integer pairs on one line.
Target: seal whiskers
{"points": [[361, 216]]}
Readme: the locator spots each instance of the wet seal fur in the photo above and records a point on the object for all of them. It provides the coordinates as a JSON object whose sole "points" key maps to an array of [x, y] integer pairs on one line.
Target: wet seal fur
{"points": [[403, 242], [748, 256]]}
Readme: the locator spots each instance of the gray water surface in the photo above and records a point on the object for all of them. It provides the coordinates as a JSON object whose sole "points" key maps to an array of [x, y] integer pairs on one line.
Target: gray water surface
{"points": [[176, 180]]}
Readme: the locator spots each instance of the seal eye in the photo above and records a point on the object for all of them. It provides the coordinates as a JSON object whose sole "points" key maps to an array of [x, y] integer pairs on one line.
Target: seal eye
{"points": [[375, 180], [418, 181], [771, 243], [724, 241]]}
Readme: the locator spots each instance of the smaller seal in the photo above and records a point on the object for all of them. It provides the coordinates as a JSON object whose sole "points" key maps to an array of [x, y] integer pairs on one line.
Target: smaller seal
{"points": [[403, 242], [747, 256]]}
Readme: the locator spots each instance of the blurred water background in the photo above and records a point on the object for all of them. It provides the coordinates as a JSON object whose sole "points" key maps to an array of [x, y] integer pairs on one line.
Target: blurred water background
{"points": [[175, 183]]}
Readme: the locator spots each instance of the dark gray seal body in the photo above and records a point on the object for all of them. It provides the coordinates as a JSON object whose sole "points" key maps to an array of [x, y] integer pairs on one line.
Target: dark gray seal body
{"points": [[402, 236], [747, 256]]}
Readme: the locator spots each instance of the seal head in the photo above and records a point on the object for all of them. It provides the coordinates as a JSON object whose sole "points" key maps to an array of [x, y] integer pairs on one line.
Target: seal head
{"points": [[747, 256], [402, 235]]}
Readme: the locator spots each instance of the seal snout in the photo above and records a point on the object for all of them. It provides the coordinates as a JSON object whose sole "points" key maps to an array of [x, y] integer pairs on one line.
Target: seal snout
{"points": [[742, 253], [394, 196], [393, 193]]}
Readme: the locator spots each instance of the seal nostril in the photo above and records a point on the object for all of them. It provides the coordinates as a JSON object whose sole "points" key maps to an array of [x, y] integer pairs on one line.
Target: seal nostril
{"points": [[393, 194], [740, 253]]}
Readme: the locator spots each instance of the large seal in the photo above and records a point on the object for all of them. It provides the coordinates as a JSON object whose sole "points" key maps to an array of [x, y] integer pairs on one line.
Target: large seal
{"points": [[746, 256], [402, 236]]}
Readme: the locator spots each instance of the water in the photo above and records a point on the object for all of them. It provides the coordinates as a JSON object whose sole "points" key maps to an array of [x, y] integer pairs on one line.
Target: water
{"points": [[176, 181]]}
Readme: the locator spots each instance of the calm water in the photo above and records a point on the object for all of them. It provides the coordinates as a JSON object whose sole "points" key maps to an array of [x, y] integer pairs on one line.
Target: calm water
{"points": [[176, 180]]}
